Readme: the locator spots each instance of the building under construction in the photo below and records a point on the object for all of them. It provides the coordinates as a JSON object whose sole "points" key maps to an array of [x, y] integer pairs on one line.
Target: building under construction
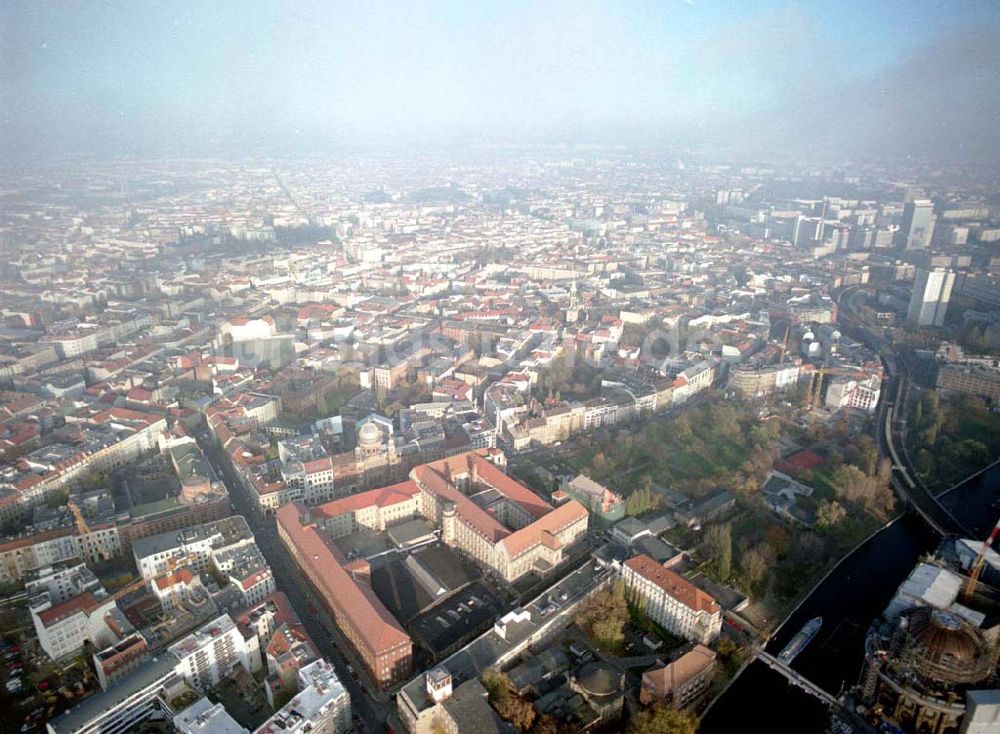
{"points": [[931, 658]]}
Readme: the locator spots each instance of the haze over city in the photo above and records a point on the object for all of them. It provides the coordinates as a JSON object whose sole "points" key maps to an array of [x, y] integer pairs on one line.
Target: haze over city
{"points": [[851, 78]]}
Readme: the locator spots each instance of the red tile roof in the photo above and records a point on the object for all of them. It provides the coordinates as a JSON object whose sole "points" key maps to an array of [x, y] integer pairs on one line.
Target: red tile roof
{"points": [[318, 465], [469, 511], [84, 602], [382, 497], [324, 564], [182, 576], [509, 487], [663, 680], [678, 587], [255, 578], [545, 529]]}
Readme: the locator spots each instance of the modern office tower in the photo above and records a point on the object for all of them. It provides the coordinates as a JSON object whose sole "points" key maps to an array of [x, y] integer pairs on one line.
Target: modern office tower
{"points": [[809, 231], [917, 227], [931, 293], [861, 237]]}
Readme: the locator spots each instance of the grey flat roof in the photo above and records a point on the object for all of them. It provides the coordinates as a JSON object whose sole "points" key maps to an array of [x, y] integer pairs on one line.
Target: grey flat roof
{"points": [[158, 668], [410, 531], [483, 652], [471, 711]]}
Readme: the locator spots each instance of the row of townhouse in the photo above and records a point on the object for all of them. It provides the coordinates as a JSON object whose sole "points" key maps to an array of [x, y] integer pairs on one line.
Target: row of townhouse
{"points": [[23, 555], [757, 382], [621, 402], [84, 338], [104, 441]]}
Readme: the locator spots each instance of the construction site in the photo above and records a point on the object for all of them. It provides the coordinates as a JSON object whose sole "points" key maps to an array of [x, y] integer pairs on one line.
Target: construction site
{"points": [[931, 657]]}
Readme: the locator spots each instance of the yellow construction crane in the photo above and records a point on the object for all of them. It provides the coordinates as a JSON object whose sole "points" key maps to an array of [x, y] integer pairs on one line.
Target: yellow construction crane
{"points": [[977, 568], [87, 535]]}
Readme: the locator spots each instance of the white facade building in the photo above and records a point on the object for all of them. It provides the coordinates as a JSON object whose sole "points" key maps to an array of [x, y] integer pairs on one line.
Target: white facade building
{"points": [[194, 546], [322, 705], [672, 601], [208, 655], [931, 293], [846, 392], [63, 628]]}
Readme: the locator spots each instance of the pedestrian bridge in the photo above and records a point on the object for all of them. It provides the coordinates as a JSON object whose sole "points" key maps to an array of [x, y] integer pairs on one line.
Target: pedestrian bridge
{"points": [[796, 679]]}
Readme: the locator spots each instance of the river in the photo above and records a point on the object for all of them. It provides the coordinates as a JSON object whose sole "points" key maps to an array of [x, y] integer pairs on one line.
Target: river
{"points": [[848, 600]]}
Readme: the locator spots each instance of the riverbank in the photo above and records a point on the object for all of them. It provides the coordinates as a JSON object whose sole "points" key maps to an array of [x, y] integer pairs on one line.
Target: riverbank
{"points": [[848, 599]]}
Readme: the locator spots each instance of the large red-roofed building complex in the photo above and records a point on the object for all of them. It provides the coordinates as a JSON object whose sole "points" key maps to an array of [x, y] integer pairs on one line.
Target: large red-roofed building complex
{"points": [[379, 639], [479, 510]]}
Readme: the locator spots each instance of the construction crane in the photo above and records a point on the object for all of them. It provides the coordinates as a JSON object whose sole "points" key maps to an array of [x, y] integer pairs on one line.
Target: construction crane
{"points": [[977, 568], [87, 535], [784, 343]]}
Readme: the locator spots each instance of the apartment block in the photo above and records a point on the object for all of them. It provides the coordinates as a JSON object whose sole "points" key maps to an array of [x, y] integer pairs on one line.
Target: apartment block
{"points": [[672, 601]]}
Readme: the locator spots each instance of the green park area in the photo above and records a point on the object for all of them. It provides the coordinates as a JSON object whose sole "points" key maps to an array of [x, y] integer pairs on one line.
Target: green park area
{"points": [[693, 451], [949, 438], [719, 444]]}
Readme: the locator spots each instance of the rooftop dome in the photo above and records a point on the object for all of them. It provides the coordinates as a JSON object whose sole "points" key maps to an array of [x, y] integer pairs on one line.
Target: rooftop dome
{"points": [[945, 647], [944, 634], [599, 679], [369, 434]]}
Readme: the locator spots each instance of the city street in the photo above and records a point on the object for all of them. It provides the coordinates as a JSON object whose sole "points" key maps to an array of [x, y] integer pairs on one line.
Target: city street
{"points": [[289, 579]]}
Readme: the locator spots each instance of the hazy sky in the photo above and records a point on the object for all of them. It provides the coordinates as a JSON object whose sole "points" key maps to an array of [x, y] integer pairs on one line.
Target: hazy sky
{"points": [[862, 76]]}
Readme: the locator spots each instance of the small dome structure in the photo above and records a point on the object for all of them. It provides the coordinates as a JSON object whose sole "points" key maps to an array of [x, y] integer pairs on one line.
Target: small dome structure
{"points": [[598, 679], [369, 435]]}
